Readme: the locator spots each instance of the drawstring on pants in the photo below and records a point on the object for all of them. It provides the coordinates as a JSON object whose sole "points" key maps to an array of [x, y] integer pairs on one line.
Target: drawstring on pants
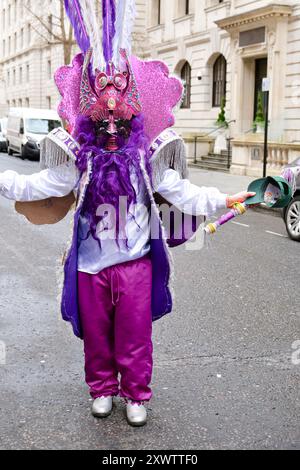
{"points": [[115, 277]]}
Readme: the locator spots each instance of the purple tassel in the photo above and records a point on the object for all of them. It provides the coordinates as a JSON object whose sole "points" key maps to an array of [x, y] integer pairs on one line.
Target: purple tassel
{"points": [[74, 13], [109, 31]]}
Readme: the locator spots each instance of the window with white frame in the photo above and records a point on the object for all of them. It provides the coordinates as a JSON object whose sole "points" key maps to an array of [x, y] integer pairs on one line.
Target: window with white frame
{"points": [[219, 80], [186, 77]]}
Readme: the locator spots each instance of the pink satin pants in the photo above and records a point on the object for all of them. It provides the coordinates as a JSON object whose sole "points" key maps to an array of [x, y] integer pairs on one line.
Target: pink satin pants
{"points": [[115, 312]]}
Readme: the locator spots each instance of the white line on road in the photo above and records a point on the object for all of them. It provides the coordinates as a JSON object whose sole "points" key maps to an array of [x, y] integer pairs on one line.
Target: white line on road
{"points": [[277, 234], [242, 225]]}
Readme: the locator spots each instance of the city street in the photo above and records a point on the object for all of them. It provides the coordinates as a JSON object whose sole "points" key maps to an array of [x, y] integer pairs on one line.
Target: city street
{"points": [[224, 376]]}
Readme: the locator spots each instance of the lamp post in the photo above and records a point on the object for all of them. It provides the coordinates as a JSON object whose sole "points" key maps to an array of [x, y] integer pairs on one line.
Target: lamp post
{"points": [[266, 92]]}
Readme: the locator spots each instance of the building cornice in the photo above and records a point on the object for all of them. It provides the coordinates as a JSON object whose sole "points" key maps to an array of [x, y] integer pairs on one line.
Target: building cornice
{"points": [[260, 14], [184, 18]]}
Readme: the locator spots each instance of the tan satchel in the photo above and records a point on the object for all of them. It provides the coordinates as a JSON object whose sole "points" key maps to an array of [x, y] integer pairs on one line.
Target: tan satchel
{"points": [[48, 211]]}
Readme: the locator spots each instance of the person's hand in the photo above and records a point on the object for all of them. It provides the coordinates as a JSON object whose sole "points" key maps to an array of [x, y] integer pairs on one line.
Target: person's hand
{"points": [[240, 197]]}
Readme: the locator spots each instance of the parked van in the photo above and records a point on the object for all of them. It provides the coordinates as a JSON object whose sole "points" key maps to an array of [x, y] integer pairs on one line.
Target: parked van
{"points": [[3, 128], [26, 128]]}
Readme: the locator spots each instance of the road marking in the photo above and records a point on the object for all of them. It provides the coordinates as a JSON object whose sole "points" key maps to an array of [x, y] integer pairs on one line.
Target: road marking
{"points": [[242, 225], [277, 234]]}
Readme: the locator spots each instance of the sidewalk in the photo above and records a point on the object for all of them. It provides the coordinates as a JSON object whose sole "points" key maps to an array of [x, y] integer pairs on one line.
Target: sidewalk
{"points": [[226, 183]]}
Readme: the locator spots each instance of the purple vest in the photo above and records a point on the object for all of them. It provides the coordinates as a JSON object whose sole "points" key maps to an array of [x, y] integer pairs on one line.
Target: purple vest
{"points": [[160, 256], [167, 151]]}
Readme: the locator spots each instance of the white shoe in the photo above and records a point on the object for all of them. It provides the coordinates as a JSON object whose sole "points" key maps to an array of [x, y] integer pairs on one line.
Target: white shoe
{"points": [[102, 407], [136, 414]]}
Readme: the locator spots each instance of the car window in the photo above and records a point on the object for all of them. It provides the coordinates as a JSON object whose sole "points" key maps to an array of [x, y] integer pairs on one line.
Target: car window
{"points": [[41, 126], [296, 162]]}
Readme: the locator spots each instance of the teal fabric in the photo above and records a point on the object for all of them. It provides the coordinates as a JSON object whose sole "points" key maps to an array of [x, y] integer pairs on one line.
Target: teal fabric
{"points": [[260, 186]]}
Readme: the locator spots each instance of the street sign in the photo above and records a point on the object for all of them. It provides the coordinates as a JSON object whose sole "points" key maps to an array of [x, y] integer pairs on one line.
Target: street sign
{"points": [[266, 84]]}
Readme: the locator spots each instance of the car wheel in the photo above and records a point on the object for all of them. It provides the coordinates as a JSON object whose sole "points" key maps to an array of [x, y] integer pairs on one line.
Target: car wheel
{"points": [[9, 151], [23, 153], [292, 219]]}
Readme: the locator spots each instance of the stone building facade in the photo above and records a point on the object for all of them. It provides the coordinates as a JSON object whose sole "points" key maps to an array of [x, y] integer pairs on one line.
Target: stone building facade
{"points": [[30, 54], [223, 49]]}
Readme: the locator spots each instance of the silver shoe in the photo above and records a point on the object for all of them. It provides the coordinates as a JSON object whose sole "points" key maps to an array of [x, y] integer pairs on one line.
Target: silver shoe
{"points": [[136, 414], [102, 407]]}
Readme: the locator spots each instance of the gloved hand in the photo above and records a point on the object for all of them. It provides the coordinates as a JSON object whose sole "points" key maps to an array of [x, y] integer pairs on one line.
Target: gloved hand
{"points": [[240, 197]]}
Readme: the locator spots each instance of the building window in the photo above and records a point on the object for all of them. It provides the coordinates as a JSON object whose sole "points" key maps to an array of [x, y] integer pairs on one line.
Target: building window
{"points": [[29, 34], [219, 81], [183, 8], [187, 7], [22, 39], [186, 77], [49, 70], [159, 12], [261, 72], [156, 12]]}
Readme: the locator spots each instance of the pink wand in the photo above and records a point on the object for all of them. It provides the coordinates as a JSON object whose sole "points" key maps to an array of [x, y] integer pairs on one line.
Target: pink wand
{"points": [[238, 209]]}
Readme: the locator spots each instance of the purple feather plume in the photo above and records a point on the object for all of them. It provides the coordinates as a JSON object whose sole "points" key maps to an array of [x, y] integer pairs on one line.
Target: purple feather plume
{"points": [[74, 13], [109, 31]]}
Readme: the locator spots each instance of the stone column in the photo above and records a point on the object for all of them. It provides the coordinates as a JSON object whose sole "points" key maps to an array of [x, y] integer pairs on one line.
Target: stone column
{"points": [[277, 50]]}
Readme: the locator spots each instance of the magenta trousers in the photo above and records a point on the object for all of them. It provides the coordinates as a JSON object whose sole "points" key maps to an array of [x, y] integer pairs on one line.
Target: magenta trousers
{"points": [[116, 317]]}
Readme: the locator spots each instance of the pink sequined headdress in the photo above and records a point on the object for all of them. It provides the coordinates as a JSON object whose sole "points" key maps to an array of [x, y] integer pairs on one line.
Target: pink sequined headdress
{"points": [[105, 82]]}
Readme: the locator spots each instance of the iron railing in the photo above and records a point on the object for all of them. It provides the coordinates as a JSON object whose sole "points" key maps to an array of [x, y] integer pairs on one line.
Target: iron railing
{"points": [[215, 129]]}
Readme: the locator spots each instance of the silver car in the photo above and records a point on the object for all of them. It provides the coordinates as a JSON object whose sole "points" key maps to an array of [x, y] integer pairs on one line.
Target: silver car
{"points": [[291, 214], [3, 127]]}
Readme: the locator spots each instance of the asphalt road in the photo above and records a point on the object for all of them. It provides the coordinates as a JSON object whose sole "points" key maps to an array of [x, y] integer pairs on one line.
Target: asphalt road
{"points": [[224, 375]]}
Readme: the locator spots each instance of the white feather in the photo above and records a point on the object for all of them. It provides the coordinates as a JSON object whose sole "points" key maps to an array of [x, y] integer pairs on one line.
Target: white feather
{"points": [[93, 29], [125, 18]]}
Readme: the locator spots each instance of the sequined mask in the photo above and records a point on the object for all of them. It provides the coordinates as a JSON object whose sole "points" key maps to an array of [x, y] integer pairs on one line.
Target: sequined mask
{"points": [[114, 99]]}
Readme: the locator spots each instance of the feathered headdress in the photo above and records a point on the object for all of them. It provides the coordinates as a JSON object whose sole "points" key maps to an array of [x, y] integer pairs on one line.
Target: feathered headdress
{"points": [[149, 89], [117, 26]]}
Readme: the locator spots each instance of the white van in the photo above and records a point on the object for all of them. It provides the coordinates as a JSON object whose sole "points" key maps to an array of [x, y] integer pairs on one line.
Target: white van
{"points": [[3, 128], [26, 128]]}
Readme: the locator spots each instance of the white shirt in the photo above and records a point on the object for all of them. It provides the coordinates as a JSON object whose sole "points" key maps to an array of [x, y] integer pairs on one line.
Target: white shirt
{"points": [[60, 181]]}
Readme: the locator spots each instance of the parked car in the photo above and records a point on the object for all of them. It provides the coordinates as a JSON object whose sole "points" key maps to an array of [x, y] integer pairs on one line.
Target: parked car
{"points": [[26, 128], [3, 128], [292, 213]]}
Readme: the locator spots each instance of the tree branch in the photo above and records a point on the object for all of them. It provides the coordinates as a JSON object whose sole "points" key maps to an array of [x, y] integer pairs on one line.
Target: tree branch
{"points": [[45, 25]]}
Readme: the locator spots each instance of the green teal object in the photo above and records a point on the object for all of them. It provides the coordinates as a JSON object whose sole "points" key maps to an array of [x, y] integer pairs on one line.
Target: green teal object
{"points": [[278, 196]]}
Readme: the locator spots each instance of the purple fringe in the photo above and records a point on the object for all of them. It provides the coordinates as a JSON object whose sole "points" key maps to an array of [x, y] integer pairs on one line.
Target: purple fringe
{"points": [[109, 31], [74, 13]]}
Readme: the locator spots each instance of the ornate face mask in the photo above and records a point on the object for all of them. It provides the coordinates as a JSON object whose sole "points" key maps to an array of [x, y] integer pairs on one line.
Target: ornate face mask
{"points": [[114, 100]]}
